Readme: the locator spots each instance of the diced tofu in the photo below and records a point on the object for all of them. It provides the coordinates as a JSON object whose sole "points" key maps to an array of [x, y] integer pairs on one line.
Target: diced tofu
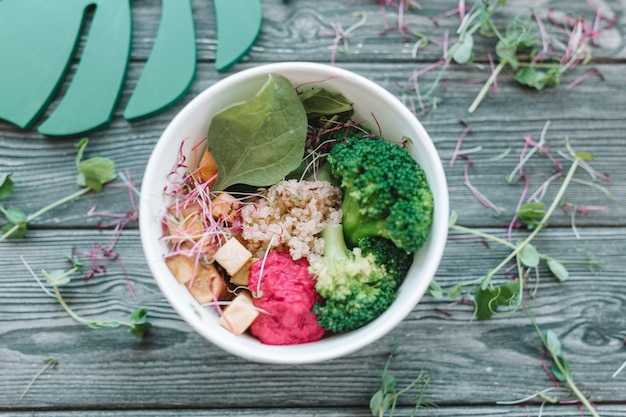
{"points": [[208, 285], [240, 314], [182, 267], [232, 256], [187, 224], [225, 207], [240, 278], [207, 169]]}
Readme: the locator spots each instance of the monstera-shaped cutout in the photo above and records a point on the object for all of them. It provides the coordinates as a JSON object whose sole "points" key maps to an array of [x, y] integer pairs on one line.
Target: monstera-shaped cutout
{"points": [[43, 38]]}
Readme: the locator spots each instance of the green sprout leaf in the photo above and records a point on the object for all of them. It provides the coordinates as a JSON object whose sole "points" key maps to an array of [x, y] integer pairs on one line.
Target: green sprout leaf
{"points": [[139, 322], [487, 300], [15, 216], [553, 344], [529, 256], [464, 50], [537, 79], [6, 185], [56, 277], [94, 172], [558, 269], [585, 156], [531, 213]]}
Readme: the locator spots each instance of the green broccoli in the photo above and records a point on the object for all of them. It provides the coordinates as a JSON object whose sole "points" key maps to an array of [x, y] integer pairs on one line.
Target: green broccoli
{"points": [[385, 190], [357, 285]]}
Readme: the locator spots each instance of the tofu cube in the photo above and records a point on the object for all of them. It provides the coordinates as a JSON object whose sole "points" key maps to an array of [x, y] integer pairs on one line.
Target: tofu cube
{"points": [[240, 278], [185, 224], [232, 256], [240, 314], [225, 207], [182, 267], [208, 285]]}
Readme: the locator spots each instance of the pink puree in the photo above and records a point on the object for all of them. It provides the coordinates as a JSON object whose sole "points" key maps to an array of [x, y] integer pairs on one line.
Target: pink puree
{"points": [[287, 296]]}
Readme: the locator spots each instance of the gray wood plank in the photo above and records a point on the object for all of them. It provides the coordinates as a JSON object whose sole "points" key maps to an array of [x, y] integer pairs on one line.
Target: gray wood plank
{"points": [[500, 411], [303, 29], [473, 363]]}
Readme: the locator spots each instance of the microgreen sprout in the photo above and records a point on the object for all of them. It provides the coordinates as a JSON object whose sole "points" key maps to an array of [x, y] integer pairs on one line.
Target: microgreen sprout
{"points": [[137, 323], [93, 173], [525, 256], [560, 370], [50, 363], [386, 398]]}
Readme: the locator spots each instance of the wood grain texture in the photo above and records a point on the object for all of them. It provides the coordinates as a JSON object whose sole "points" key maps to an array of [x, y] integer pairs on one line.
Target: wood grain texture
{"points": [[469, 362], [472, 364]]}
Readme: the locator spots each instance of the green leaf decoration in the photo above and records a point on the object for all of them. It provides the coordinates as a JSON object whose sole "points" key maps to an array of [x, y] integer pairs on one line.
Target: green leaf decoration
{"points": [[238, 25], [6, 185], [529, 256], [558, 269], [171, 67], [45, 35], [259, 141]]}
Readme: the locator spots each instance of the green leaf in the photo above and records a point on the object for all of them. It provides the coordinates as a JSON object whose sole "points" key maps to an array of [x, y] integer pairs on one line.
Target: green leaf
{"points": [[464, 51], [435, 290], [553, 344], [259, 141], [454, 292], [529, 256], [75, 261], [507, 52], [388, 383], [539, 80], [56, 277], [531, 213], [15, 216], [376, 402], [6, 185], [138, 319], [487, 301], [95, 172], [319, 102], [585, 156], [558, 269], [17, 233]]}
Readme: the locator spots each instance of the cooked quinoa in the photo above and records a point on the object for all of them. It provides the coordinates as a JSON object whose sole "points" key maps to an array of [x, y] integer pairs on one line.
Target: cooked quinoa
{"points": [[293, 213]]}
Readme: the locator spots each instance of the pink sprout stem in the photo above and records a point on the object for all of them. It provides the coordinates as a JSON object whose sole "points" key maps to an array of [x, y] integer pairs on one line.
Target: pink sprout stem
{"points": [[467, 129]]}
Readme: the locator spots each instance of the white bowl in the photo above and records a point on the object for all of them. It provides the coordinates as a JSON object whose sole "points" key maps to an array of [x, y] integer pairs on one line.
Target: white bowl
{"points": [[382, 111]]}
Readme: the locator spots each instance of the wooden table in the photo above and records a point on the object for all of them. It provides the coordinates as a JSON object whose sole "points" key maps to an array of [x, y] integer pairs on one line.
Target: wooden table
{"points": [[473, 365]]}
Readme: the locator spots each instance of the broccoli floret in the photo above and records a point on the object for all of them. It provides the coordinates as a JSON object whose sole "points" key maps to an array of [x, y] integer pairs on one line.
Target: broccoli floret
{"points": [[396, 261], [355, 287], [385, 190]]}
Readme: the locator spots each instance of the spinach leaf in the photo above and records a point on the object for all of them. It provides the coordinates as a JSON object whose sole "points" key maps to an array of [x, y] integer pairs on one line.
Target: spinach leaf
{"points": [[259, 141]]}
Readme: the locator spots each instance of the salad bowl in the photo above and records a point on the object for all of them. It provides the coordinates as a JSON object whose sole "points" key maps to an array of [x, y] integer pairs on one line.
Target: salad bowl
{"points": [[381, 112]]}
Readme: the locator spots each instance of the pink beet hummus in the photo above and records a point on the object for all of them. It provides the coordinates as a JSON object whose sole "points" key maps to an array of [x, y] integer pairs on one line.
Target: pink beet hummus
{"points": [[286, 297]]}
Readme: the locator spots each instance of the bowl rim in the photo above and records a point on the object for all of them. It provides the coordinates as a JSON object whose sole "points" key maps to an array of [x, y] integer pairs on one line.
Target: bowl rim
{"points": [[329, 347]]}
